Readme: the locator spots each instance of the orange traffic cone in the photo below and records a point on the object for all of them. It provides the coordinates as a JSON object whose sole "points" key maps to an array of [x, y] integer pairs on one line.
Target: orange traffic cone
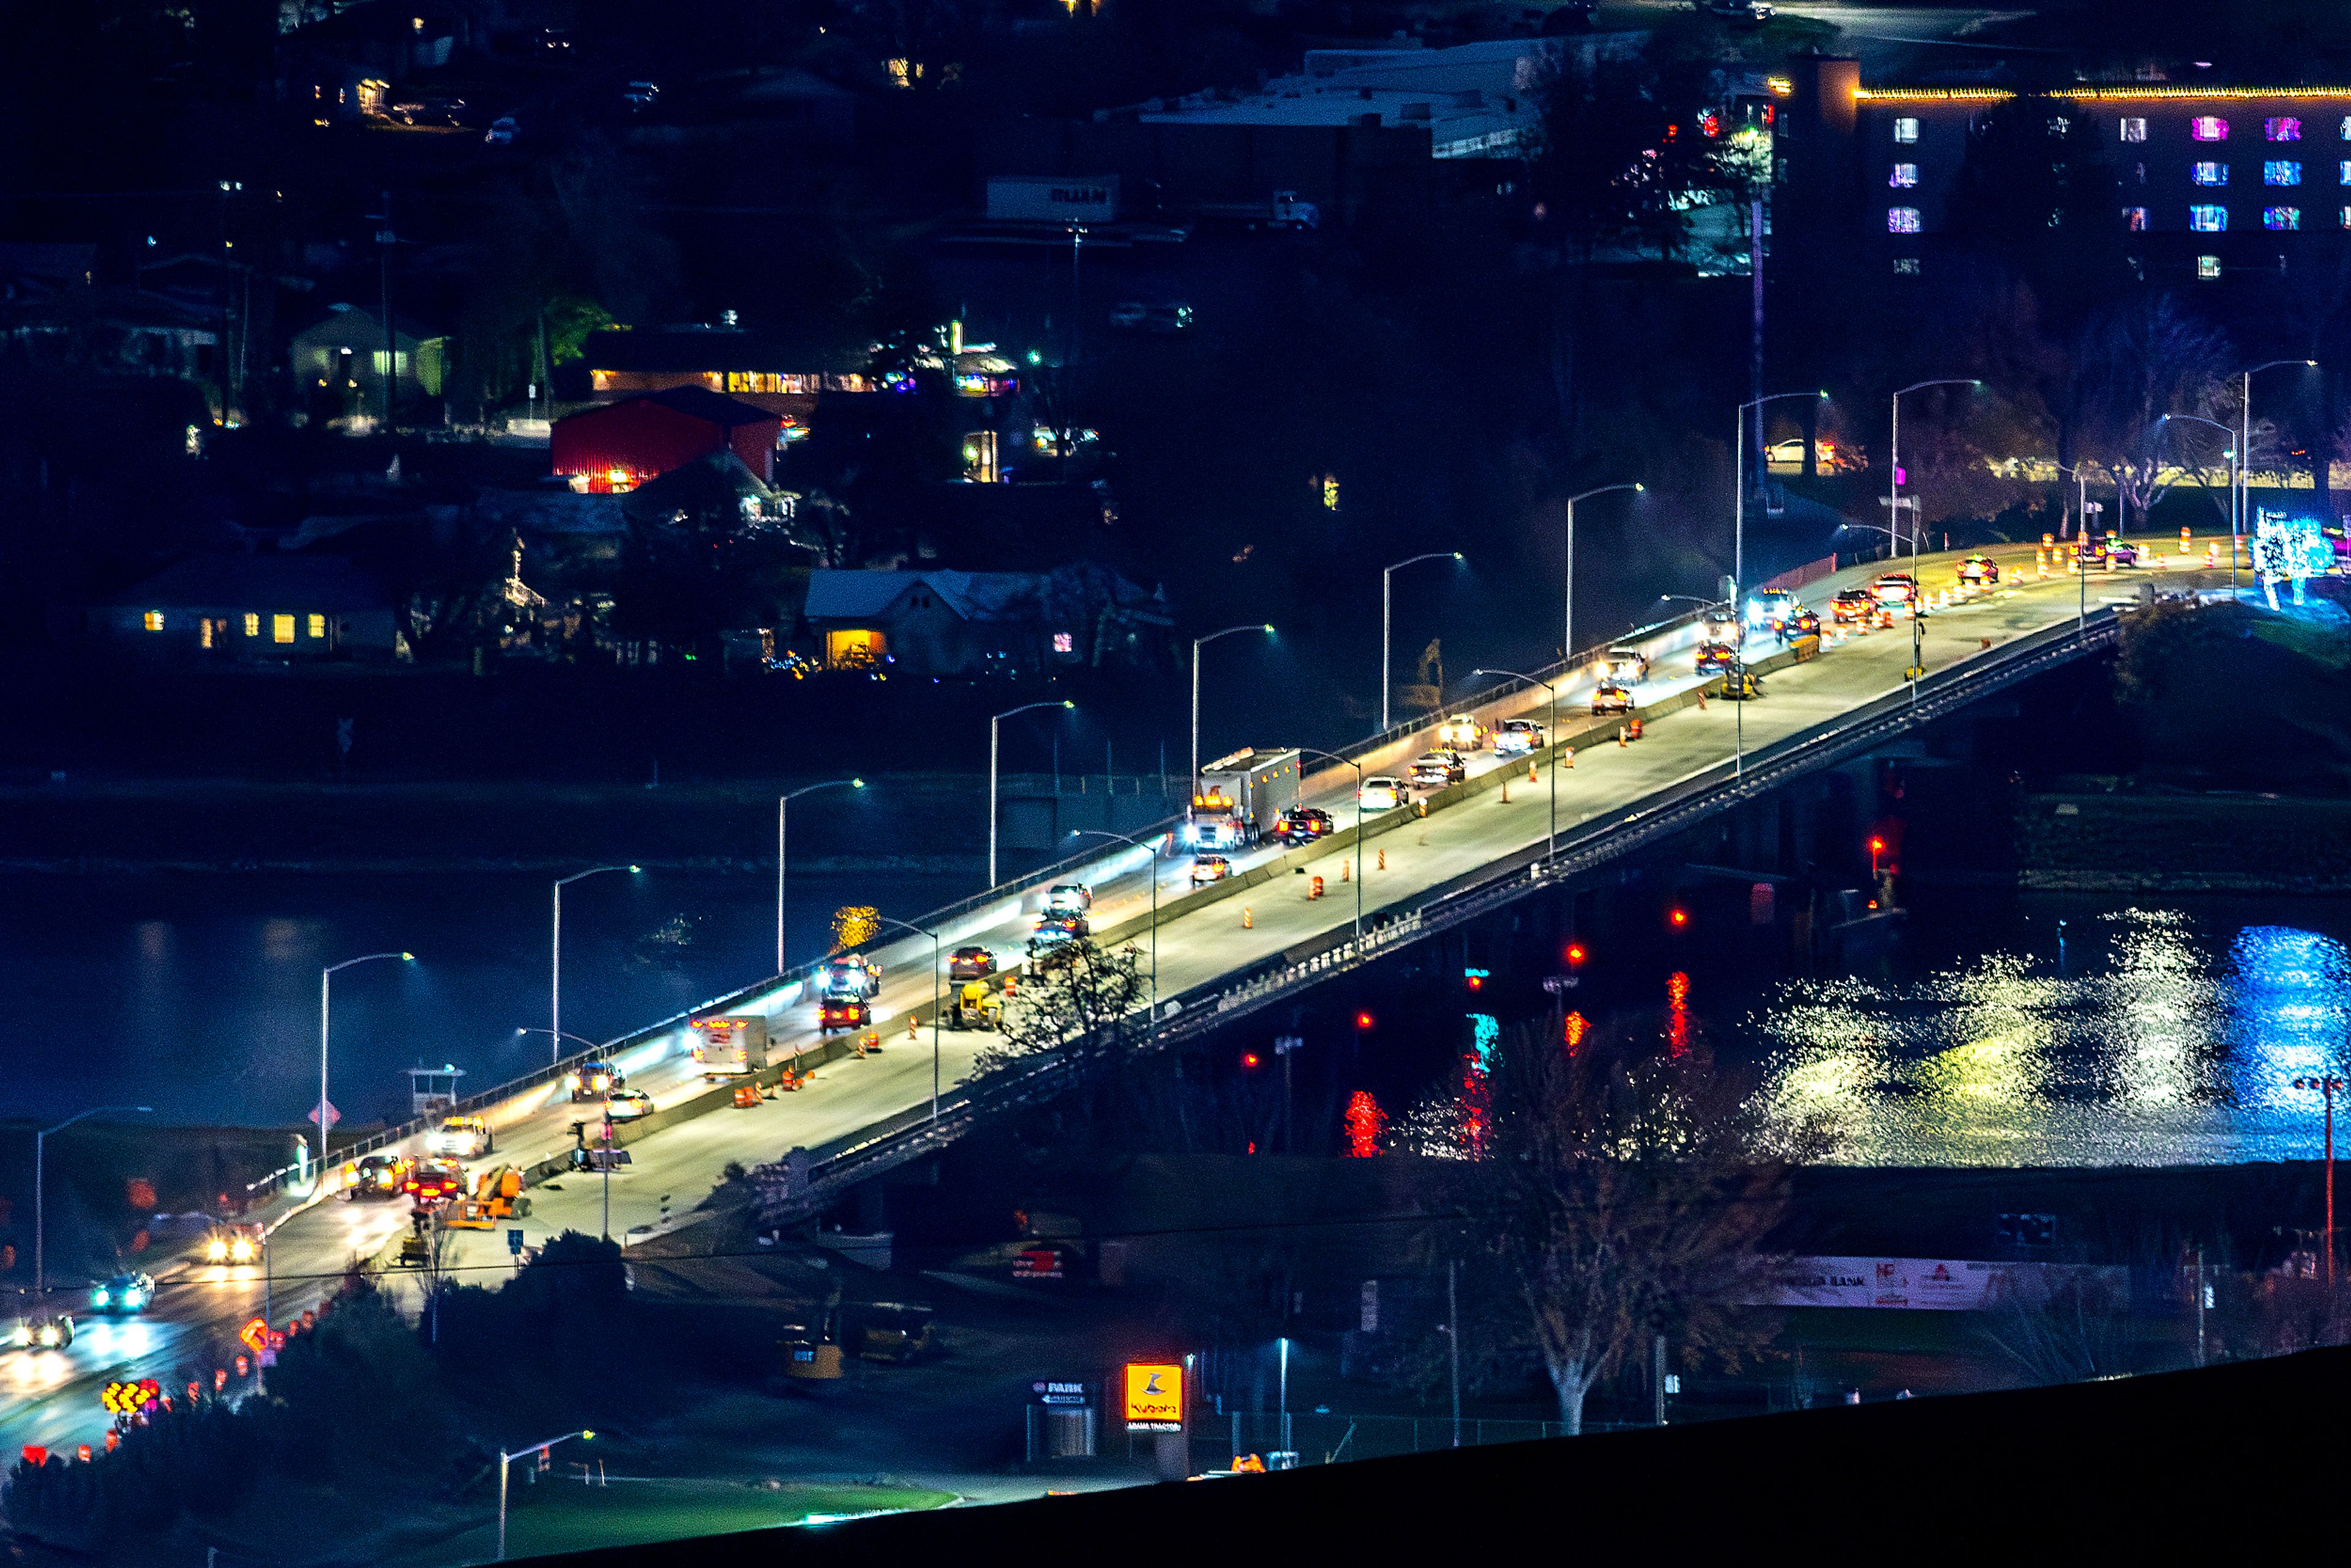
{"points": [[1247, 919], [1384, 860]]}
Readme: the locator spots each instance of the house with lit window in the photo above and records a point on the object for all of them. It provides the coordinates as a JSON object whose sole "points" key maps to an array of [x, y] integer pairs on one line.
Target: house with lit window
{"points": [[339, 362], [2210, 182], [972, 623], [260, 607]]}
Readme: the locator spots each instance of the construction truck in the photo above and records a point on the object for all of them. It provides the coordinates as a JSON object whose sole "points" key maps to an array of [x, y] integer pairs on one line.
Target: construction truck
{"points": [[891, 1331], [735, 1046], [975, 1005], [497, 1195], [1237, 797]]}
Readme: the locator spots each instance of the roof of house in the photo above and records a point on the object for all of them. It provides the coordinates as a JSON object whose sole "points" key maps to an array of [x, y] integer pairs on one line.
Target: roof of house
{"points": [[839, 594], [258, 579], [354, 326], [696, 349], [695, 402]]}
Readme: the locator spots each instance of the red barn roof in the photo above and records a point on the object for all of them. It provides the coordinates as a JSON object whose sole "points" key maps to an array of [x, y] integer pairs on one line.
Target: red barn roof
{"points": [[644, 436]]}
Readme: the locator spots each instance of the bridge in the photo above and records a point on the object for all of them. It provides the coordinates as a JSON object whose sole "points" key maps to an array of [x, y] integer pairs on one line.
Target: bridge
{"points": [[1220, 953]]}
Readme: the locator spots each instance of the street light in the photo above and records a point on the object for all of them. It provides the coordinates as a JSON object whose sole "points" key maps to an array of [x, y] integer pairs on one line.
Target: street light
{"points": [[1194, 783], [40, 1212], [326, 1017], [2241, 494], [1738, 559], [995, 719], [505, 1460], [1357, 845], [2081, 510], [2235, 454], [1685, 598], [1152, 845], [1894, 515], [2327, 1086], [1550, 834], [886, 920], [1567, 591], [1387, 572], [555, 965], [781, 801]]}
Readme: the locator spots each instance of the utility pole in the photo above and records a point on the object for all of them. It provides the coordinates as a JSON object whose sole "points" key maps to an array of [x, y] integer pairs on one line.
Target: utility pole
{"points": [[385, 240], [1453, 1338]]}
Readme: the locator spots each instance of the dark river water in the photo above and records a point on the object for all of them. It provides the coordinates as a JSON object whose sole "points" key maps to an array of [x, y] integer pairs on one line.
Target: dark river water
{"points": [[2168, 1030], [198, 995]]}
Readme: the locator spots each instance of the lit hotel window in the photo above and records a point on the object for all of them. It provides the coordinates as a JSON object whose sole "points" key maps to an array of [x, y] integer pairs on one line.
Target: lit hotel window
{"points": [[2282, 128], [1901, 220], [318, 625], [2133, 129], [1064, 642], [154, 618], [1907, 129], [2059, 125], [1905, 175], [1906, 267], [2209, 128], [281, 628], [252, 624], [2208, 174], [2280, 171], [2209, 220], [2208, 267], [2281, 217], [2343, 173], [2134, 219]]}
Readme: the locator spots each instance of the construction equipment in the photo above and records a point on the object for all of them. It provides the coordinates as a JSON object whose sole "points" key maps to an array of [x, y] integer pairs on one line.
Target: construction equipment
{"points": [[811, 1347], [975, 1005], [497, 1195], [732, 1047], [893, 1332]]}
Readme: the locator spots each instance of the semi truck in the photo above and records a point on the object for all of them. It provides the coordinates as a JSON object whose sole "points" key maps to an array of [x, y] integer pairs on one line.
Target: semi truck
{"points": [[1237, 798], [734, 1046]]}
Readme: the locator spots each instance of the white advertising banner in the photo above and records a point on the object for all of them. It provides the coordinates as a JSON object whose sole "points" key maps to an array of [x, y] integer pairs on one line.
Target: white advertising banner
{"points": [[1928, 1284]]}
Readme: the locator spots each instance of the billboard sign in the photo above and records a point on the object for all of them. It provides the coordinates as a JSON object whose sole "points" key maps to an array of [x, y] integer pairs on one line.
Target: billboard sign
{"points": [[1925, 1284], [1154, 1397]]}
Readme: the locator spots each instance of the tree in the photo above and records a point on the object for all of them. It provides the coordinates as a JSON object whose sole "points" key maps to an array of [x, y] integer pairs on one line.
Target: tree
{"points": [[1077, 1010], [1631, 1188], [2141, 359]]}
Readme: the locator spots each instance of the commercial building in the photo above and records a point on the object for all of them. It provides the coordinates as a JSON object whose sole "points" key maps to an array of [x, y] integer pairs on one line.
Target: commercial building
{"points": [[2208, 183], [619, 445], [766, 369]]}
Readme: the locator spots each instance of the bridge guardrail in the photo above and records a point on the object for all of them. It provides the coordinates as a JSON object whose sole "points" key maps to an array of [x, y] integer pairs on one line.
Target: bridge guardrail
{"points": [[895, 1140]]}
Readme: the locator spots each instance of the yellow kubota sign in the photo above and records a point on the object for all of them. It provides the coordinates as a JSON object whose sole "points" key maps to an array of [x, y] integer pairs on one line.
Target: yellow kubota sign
{"points": [[1154, 1397]]}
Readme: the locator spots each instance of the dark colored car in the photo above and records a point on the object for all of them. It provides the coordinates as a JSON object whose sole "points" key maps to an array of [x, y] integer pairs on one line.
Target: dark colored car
{"points": [[435, 1181], [1302, 825], [1853, 606], [1799, 622], [375, 1177], [593, 1080], [1713, 657], [1979, 570], [123, 1293], [842, 1012], [973, 963]]}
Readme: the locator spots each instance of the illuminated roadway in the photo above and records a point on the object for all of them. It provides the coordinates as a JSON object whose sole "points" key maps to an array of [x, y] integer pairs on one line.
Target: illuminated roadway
{"points": [[52, 1397]]}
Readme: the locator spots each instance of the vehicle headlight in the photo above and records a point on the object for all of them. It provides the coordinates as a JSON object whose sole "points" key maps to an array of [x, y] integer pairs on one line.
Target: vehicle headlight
{"points": [[21, 1335], [97, 1298], [48, 1334], [217, 1252]]}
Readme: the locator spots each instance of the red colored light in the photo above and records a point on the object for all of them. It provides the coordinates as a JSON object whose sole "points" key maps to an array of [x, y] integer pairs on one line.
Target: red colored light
{"points": [[1364, 1120], [1365, 1021], [1477, 982], [1877, 846], [1249, 1060], [1574, 954], [1572, 1033], [1679, 917]]}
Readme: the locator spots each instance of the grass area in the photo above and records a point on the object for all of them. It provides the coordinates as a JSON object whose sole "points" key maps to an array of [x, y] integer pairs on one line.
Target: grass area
{"points": [[560, 1516]]}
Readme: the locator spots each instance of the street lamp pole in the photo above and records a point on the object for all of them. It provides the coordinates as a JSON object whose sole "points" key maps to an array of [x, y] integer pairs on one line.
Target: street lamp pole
{"points": [[782, 802], [994, 720], [1357, 848], [40, 1168], [555, 963], [2236, 457], [1567, 588], [326, 1020], [1894, 515], [1739, 562], [2081, 532], [1386, 595], [1550, 835], [1153, 872], [886, 920], [506, 1459], [1193, 784]]}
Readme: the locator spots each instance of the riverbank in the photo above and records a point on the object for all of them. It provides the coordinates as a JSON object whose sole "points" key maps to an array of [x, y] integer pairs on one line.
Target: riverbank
{"points": [[2180, 843]]}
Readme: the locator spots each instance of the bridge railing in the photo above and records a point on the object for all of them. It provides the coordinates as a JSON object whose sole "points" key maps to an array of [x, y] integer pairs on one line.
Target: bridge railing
{"points": [[793, 1185]]}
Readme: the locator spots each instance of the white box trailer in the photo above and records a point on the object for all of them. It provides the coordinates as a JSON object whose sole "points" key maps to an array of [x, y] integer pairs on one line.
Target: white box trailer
{"points": [[1052, 198], [734, 1046], [1237, 798]]}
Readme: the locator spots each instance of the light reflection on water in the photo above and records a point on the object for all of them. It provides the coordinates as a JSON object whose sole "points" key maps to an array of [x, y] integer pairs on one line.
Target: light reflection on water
{"points": [[2162, 1041]]}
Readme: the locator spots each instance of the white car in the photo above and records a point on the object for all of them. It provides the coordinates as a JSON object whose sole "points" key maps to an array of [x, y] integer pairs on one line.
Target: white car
{"points": [[467, 1137], [628, 1105], [1380, 793], [1069, 898], [1518, 736]]}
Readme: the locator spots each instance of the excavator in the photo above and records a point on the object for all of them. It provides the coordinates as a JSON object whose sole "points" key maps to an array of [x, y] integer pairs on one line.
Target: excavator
{"points": [[497, 1195]]}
